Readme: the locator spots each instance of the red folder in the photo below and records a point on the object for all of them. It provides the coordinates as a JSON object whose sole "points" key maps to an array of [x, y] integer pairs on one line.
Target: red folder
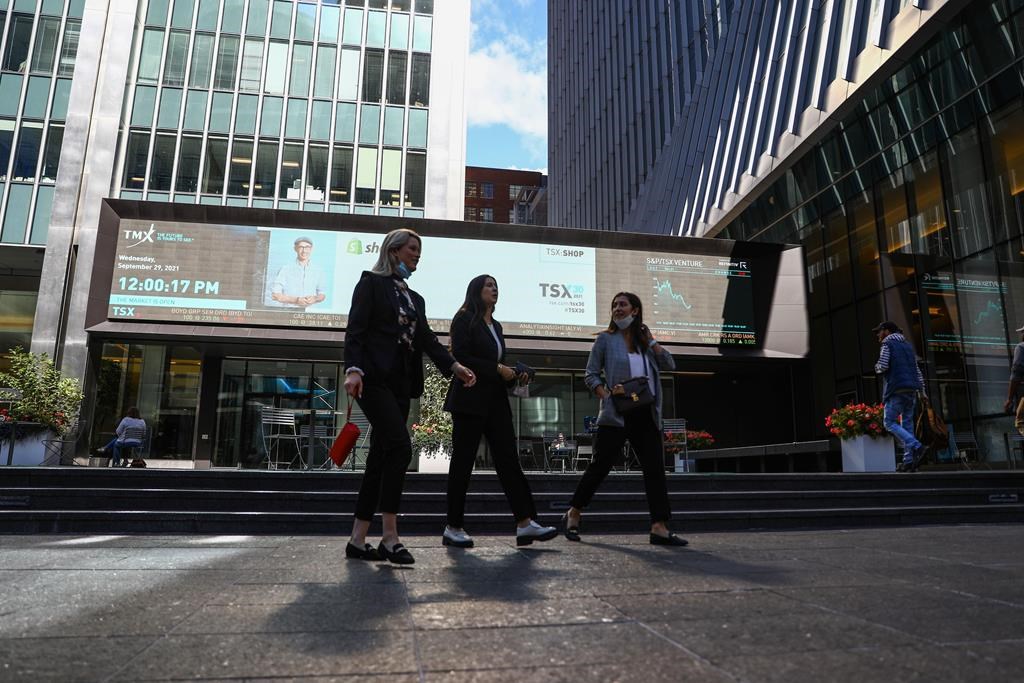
{"points": [[346, 439]]}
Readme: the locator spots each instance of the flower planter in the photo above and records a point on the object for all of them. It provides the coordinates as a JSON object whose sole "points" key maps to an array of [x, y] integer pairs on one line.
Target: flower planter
{"points": [[435, 461], [867, 454], [29, 450]]}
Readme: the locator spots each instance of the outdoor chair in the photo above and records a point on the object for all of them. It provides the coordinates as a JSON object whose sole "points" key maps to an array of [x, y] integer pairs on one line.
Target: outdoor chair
{"points": [[278, 426], [59, 451]]}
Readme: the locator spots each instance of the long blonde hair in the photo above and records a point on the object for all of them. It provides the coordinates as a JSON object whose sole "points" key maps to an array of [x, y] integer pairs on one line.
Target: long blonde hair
{"points": [[396, 239]]}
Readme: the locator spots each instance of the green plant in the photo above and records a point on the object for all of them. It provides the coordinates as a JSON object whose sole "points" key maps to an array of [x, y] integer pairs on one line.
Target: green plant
{"points": [[433, 430], [856, 419], [41, 394]]}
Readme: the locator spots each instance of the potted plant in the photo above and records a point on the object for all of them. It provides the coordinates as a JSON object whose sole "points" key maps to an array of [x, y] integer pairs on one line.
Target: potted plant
{"points": [[432, 431], [867, 447], [698, 439], [41, 404]]}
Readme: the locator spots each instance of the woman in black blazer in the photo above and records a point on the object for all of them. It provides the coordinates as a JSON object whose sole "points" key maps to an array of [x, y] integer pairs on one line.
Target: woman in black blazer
{"points": [[483, 410], [386, 338]]}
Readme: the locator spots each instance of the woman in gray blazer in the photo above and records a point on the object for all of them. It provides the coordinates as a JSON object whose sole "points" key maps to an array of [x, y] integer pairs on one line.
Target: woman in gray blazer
{"points": [[626, 349]]}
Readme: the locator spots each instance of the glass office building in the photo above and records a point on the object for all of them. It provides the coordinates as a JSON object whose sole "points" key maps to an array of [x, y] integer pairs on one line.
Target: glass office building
{"points": [[911, 210], [883, 137]]}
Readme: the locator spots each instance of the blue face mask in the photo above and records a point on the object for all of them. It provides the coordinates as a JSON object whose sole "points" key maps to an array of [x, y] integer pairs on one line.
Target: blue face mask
{"points": [[402, 271]]}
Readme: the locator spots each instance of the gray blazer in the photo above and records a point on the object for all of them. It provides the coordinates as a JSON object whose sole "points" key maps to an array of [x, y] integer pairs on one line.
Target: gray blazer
{"points": [[609, 365]]}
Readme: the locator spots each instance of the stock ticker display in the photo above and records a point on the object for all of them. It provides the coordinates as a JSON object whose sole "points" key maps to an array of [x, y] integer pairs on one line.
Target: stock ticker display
{"points": [[236, 275]]}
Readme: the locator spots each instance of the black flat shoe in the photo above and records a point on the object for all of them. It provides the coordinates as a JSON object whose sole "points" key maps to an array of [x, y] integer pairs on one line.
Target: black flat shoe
{"points": [[572, 533], [398, 554], [353, 552], [671, 539]]}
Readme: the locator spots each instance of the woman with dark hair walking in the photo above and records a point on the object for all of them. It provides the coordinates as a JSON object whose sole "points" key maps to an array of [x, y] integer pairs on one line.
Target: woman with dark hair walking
{"points": [[626, 350], [386, 338], [483, 410]]}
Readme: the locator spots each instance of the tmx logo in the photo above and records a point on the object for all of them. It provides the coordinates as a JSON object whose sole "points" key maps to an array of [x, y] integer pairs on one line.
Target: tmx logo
{"points": [[356, 247], [556, 291], [139, 236]]}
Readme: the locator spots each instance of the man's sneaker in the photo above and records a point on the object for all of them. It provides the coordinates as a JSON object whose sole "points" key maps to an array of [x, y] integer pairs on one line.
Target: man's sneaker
{"points": [[906, 467], [456, 537], [919, 456], [534, 532]]}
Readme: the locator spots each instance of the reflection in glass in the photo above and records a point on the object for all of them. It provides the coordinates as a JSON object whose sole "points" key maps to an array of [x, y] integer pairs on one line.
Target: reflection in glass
{"points": [[202, 61], [366, 175], [281, 24], [422, 27], [69, 47], [394, 120], [227, 63], [348, 75], [305, 21], [352, 31], [51, 159], [195, 110], [838, 258], [376, 27], [277, 65], [323, 82], [417, 128], [177, 54], [245, 114], [295, 125], [345, 122], [390, 176], [369, 124], [967, 204], [170, 108], [252, 65], [270, 119], [330, 17], [26, 156], [149, 56], [399, 39], [256, 23], [316, 172], [44, 52]]}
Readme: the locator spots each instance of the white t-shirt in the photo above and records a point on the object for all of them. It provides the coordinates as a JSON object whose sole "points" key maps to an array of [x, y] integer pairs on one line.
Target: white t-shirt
{"points": [[636, 369], [494, 333]]}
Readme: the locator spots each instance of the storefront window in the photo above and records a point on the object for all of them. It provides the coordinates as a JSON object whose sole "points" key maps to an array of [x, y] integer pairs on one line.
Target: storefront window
{"points": [[162, 382]]}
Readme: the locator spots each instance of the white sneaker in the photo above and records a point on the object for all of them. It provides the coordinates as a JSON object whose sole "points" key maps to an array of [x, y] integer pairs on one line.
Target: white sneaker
{"points": [[457, 538], [534, 532]]}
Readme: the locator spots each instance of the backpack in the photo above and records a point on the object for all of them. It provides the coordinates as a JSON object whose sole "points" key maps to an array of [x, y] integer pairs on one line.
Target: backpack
{"points": [[929, 427]]}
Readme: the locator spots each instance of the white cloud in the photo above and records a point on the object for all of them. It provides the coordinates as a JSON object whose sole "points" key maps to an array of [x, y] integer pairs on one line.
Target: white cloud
{"points": [[507, 84]]}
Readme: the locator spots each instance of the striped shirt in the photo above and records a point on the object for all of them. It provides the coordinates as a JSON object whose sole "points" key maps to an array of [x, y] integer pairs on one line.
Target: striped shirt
{"points": [[882, 366]]}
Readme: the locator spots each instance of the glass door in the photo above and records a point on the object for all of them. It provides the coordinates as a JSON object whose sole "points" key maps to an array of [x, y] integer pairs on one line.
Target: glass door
{"points": [[276, 414]]}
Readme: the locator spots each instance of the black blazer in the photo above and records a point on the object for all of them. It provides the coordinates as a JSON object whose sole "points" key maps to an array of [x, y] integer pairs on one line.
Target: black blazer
{"points": [[473, 346], [373, 333]]}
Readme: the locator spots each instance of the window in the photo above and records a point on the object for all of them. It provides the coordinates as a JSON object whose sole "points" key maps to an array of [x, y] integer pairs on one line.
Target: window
{"points": [[149, 59], [270, 122], [195, 110], [295, 124], [419, 86], [232, 21], [135, 156], [170, 108], [513, 191], [345, 122], [390, 177], [305, 21], [397, 63], [424, 6], [373, 75], [69, 47], [366, 175], [207, 18], [177, 53], [472, 189], [6, 144], [245, 114], [266, 170], [290, 186], [376, 27], [202, 61], [369, 124], [471, 213], [341, 174], [256, 24], [348, 75], [316, 173], [163, 163], [352, 31], [487, 214], [277, 63], [45, 50], [19, 33], [216, 163], [51, 159], [422, 27], [227, 63], [26, 156], [394, 120], [188, 164], [142, 106], [156, 13], [181, 15], [252, 63], [323, 81], [220, 112], [281, 23], [399, 32], [330, 17], [415, 178], [302, 60], [487, 190], [241, 168], [417, 128], [320, 121]]}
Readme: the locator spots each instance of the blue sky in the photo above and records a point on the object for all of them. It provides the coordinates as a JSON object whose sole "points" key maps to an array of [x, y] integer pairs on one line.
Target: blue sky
{"points": [[506, 85]]}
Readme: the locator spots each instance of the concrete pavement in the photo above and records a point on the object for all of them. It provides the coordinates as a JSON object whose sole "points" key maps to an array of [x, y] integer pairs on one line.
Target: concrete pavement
{"points": [[942, 603]]}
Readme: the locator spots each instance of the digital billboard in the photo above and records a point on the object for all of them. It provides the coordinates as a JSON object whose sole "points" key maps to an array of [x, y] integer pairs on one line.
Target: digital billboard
{"points": [[240, 275]]}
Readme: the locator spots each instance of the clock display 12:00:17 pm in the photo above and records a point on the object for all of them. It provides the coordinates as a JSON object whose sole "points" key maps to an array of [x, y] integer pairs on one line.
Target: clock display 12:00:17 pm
{"points": [[175, 286]]}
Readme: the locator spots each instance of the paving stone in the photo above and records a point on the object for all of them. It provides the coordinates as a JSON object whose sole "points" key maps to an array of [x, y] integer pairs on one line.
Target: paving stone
{"points": [[497, 613], [66, 659]]}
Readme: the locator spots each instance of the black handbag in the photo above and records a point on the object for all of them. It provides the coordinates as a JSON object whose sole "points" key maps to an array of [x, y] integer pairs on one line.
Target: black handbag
{"points": [[636, 393]]}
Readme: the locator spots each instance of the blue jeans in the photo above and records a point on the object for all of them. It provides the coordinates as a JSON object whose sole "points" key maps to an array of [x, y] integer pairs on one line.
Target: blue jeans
{"points": [[115, 447], [899, 411]]}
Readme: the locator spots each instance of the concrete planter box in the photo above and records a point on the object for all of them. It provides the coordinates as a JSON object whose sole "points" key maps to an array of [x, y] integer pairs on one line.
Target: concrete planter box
{"points": [[28, 451], [866, 454]]}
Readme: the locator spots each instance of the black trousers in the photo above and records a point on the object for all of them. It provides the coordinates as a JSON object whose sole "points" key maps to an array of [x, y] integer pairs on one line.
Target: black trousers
{"points": [[645, 437], [497, 428], [386, 406]]}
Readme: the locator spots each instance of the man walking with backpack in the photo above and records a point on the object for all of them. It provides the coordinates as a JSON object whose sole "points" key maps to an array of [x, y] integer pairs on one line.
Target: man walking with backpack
{"points": [[902, 379], [1015, 394]]}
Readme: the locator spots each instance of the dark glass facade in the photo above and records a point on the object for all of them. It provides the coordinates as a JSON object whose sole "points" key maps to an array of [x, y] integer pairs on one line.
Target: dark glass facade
{"points": [[911, 210]]}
